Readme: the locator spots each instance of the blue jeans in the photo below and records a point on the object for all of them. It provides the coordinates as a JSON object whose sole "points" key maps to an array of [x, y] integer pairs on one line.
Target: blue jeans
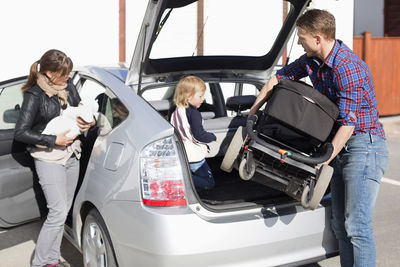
{"points": [[202, 175], [358, 170]]}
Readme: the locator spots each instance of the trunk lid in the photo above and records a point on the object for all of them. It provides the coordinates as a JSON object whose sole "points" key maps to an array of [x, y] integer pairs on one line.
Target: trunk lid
{"points": [[235, 44]]}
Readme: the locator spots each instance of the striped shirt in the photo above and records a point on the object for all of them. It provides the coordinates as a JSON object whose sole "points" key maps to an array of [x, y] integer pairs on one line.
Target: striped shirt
{"points": [[345, 79]]}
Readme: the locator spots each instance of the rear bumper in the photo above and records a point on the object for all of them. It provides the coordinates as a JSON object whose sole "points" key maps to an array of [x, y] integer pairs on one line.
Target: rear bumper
{"points": [[176, 236]]}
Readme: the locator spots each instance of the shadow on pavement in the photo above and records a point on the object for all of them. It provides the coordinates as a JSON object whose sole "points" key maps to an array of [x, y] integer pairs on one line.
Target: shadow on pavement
{"points": [[12, 239]]}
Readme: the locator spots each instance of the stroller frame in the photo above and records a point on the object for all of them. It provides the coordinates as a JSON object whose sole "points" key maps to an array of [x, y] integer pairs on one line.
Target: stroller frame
{"points": [[301, 176]]}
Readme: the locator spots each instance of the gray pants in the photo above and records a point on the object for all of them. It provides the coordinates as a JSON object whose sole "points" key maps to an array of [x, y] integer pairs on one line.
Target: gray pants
{"points": [[58, 183]]}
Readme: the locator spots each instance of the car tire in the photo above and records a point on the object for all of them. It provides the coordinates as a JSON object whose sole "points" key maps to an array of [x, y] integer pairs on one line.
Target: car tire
{"points": [[97, 248], [233, 150]]}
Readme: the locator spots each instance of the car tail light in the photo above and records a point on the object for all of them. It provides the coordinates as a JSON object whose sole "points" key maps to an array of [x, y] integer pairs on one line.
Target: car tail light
{"points": [[161, 174]]}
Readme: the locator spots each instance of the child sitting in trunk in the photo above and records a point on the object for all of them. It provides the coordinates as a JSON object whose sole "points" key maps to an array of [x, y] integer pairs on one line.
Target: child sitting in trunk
{"points": [[189, 95]]}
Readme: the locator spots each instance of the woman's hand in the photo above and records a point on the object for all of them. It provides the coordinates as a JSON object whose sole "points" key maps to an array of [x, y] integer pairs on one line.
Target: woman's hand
{"points": [[83, 125], [63, 140]]}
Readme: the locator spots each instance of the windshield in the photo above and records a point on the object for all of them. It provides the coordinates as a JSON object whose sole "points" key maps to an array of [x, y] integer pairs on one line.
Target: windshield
{"points": [[228, 27]]}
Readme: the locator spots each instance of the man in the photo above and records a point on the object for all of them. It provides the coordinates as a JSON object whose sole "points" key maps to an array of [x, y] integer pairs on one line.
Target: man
{"points": [[360, 153]]}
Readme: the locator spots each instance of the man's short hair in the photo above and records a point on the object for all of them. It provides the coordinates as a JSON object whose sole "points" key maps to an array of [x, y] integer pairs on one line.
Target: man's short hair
{"points": [[317, 21]]}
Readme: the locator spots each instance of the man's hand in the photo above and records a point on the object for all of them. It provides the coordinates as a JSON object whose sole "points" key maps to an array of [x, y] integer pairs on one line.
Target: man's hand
{"points": [[263, 95], [339, 140], [252, 117]]}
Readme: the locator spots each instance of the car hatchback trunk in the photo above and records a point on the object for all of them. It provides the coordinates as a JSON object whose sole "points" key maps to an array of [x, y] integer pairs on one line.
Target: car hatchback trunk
{"points": [[231, 190], [166, 50]]}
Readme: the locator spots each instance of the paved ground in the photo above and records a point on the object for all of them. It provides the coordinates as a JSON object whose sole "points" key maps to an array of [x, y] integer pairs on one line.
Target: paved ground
{"points": [[17, 244]]}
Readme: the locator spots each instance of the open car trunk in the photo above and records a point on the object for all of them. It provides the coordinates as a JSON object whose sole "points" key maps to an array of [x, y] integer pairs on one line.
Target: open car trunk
{"points": [[232, 63], [231, 190]]}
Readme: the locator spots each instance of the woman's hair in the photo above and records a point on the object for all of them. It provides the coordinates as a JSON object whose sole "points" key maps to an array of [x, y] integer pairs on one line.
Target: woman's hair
{"points": [[186, 88], [317, 21], [54, 61]]}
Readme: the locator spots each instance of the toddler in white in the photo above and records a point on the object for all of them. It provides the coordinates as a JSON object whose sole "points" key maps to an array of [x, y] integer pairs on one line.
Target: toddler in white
{"points": [[67, 120]]}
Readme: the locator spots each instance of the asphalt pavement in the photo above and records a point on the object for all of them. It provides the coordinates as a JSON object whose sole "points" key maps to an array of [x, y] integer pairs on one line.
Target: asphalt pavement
{"points": [[18, 243]]}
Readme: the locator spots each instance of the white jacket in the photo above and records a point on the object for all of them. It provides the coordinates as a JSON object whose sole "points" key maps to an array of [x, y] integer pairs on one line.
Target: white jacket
{"points": [[195, 150]]}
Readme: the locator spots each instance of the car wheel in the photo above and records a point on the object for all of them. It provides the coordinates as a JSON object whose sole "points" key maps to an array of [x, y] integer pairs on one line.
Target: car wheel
{"points": [[233, 150], [96, 244], [244, 173]]}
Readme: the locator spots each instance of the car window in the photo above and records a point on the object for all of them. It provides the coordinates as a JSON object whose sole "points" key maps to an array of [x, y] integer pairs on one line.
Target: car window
{"points": [[111, 110], [207, 95], [10, 105], [91, 90], [237, 89], [158, 93], [231, 34], [249, 89], [228, 90], [167, 93], [115, 110]]}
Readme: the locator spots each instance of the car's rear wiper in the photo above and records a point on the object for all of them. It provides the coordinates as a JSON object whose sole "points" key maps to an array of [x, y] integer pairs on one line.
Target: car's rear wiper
{"points": [[161, 25]]}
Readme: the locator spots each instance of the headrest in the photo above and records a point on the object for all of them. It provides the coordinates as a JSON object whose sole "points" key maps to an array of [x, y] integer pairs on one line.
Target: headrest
{"points": [[240, 103]]}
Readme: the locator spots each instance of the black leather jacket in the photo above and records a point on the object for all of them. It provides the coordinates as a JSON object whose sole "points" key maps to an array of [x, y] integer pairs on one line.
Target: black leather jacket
{"points": [[36, 111]]}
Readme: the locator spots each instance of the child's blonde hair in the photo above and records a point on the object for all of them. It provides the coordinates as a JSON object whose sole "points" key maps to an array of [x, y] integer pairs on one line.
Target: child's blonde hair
{"points": [[186, 88]]}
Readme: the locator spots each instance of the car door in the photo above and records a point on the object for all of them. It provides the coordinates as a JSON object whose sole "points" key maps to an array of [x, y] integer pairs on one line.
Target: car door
{"points": [[20, 193]]}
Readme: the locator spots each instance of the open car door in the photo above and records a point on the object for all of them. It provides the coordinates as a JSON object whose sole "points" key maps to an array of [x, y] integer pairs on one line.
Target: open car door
{"points": [[20, 192]]}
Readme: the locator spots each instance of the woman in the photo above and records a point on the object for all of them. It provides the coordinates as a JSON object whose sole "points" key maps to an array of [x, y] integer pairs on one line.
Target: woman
{"points": [[47, 92]]}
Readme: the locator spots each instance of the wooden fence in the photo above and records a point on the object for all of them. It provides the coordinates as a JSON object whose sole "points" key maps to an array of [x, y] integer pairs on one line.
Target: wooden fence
{"points": [[382, 55]]}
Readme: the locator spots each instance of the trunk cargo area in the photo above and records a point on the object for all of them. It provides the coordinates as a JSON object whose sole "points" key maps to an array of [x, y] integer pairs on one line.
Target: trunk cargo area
{"points": [[230, 189]]}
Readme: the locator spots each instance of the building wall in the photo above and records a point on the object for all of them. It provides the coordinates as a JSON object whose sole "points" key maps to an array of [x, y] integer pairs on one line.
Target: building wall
{"points": [[369, 16], [343, 12], [392, 18]]}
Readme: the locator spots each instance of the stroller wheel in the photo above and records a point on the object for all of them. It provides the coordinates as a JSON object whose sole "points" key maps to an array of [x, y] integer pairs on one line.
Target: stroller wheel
{"points": [[323, 180], [305, 197], [233, 150], [247, 172]]}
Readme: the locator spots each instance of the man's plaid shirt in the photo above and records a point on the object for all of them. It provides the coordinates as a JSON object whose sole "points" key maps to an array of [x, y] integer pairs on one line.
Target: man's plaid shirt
{"points": [[345, 79]]}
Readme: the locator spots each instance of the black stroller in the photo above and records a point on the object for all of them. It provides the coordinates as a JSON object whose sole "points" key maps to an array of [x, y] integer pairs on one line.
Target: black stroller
{"points": [[288, 143]]}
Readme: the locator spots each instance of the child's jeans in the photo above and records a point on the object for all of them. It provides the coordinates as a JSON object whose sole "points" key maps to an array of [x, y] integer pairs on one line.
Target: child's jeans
{"points": [[202, 176]]}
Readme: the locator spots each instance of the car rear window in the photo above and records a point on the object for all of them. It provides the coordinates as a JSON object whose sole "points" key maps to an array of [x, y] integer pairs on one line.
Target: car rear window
{"points": [[229, 27]]}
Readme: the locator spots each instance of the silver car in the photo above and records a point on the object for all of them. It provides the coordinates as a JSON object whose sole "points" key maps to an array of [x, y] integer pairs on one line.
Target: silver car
{"points": [[136, 204]]}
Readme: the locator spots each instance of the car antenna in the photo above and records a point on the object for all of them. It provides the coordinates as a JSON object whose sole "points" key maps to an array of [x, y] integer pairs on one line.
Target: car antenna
{"points": [[142, 61], [200, 35], [290, 51]]}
